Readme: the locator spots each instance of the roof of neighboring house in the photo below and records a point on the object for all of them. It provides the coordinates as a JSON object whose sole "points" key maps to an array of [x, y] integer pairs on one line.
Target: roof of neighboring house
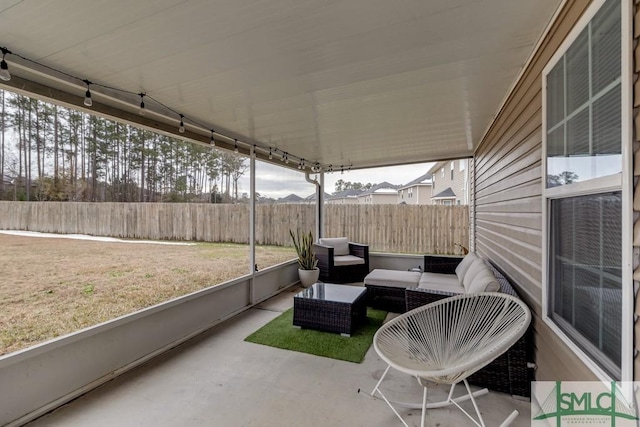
{"points": [[382, 188], [313, 196], [445, 194], [291, 198], [425, 179], [345, 194]]}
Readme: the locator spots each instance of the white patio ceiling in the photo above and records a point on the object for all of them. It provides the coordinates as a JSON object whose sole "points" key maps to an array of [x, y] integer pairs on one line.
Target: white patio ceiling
{"points": [[350, 82]]}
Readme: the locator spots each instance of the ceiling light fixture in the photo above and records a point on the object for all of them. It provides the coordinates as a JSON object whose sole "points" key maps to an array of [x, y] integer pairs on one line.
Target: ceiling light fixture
{"points": [[4, 68], [87, 95]]}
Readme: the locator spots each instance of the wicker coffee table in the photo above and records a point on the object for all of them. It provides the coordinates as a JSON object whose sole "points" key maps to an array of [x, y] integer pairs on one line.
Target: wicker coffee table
{"points": [[330, 308]]}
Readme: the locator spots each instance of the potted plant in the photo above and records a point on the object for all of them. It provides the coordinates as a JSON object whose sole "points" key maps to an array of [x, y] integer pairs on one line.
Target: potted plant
{"points": [[308, 270]]}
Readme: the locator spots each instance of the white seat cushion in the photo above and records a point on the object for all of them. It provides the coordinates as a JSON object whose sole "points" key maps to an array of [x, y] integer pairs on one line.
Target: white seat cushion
{"points": [[455, 288], [464, 265], [341, 260], [438, 279], [393, 278], [340, 245], [484, 281]]}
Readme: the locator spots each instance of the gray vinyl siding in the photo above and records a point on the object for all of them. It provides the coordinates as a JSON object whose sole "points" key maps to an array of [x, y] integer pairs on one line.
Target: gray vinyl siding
{"points": [[507, 187]]}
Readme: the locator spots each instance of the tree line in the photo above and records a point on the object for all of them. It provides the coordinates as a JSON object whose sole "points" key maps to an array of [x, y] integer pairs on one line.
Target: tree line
{"points": [[49, 152]]}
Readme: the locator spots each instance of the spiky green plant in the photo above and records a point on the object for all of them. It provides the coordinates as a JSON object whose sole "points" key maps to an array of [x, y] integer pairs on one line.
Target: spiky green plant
{"points": [[304, 248]]}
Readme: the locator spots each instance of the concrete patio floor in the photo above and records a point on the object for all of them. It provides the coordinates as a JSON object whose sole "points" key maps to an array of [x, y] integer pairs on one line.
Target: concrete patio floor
{"points": [[217, 379]]}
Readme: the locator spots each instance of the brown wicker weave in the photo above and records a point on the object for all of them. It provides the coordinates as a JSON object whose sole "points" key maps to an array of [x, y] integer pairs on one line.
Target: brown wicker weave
{"points": [[330, 316], [387, 298]]}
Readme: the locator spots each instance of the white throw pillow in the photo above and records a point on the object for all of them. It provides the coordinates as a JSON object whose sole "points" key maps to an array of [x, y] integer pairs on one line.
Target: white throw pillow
{"points": [[484, 281], [477, 266], [340, 245], [464, 265]]}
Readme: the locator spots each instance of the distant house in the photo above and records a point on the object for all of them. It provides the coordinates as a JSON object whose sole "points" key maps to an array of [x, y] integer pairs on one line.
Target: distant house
{"points": [[416, 192], [380, 194], [346, 197], [291, 198], [312, 198], [450, 182]]}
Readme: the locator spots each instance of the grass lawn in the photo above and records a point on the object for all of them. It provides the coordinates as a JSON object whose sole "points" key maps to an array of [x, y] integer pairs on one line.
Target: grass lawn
{"points": [[50, 287]]}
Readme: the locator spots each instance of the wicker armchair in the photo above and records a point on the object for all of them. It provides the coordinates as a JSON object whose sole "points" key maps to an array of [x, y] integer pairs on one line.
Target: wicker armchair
{"points": [[341, 261]]}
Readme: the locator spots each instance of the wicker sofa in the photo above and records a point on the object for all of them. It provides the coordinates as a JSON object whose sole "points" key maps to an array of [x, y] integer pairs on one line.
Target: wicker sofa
{"points": [[386, 288], [508, 373]]}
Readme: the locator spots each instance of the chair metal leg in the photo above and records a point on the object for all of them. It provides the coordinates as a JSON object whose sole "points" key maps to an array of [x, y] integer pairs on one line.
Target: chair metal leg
{"points": [[424, 407], [377, 389]]}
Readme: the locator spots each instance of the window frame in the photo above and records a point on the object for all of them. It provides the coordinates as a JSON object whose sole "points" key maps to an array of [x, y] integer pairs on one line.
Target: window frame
{"points": [[620, 182]]}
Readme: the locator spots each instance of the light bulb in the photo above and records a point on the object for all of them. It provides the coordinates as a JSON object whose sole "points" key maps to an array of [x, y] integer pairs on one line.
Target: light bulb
{"points": [[235, 146], [181, 127], [213, 141], [87, 98], [142, 111], [4, 71], [270, 154]]}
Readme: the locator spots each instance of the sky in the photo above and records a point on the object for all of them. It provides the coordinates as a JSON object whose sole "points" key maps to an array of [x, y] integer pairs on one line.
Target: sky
{"points": [[276, 182]]}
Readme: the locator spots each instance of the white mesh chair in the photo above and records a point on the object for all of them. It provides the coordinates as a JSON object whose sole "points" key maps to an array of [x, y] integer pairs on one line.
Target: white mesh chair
{"points": [[446, 341]]}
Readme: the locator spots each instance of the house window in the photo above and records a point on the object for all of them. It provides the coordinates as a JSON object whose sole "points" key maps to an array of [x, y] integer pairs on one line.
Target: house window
{"points": [[584, 104], [452, 167], [585, 271], [462, 164], [583, 189]]}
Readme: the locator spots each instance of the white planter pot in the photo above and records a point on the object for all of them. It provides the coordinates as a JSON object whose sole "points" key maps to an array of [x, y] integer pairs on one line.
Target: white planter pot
{"points": [[308, 277]]}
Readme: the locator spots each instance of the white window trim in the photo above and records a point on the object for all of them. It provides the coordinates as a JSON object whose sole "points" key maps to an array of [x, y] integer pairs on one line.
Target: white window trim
{"points": [[623, 182]]}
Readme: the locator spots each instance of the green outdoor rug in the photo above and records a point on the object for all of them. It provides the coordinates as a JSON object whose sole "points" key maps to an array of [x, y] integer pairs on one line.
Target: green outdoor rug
{"points": [[281, 333]]}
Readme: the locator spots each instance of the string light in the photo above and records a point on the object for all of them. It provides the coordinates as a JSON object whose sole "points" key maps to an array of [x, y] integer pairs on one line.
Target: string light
{"points": [[235, 146], [4, 68], [5, 75], [342, 170], [87, 96], [142, 111], [299, 165]]}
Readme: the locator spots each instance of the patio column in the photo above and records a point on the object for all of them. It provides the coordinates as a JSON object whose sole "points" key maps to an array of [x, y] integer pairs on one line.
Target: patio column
{"points": [[252, 221]]}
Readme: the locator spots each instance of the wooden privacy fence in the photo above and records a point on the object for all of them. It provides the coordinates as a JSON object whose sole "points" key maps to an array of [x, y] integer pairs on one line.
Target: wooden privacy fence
{"points": [[386, 228]]}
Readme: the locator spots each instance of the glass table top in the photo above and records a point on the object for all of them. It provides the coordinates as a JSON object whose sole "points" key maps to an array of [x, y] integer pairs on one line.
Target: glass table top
{"points": [[331, 292]]}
